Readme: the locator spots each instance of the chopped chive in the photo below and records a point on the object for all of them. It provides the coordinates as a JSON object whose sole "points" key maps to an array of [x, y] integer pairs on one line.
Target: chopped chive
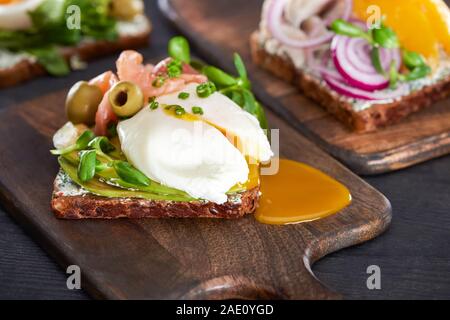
{"points": [[197, 110], [206, 89], [179, 111], [154, 105], [183, 95]]}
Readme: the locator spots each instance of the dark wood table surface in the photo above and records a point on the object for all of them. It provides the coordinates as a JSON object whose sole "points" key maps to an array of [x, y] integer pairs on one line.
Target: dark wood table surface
{"points": [[413, 255]]}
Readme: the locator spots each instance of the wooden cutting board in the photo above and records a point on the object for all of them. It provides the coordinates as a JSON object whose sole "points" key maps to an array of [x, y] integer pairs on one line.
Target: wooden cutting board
{"points": [[219, 28], [175, 258]]}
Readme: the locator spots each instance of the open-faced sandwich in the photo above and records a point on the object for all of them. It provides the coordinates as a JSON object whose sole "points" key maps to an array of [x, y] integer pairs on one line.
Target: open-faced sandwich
{"points": [[179, 139], [160, 140], [55, 36], [368, 62]]}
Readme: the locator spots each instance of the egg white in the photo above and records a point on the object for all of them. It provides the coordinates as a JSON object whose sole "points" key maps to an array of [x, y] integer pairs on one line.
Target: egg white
{"points": [[193, 156], [14, 16]]}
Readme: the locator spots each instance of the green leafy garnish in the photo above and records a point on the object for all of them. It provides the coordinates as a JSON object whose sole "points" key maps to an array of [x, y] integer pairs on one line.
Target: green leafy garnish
{"points": [[385, 37], [87, 165], [393, 75], [51, 60], [413, 59], [159, 82], [376, 61], [102, 146], [219, 77], [179, 49], [130, 174], [81, 143], [348, 29], [418, 73]]}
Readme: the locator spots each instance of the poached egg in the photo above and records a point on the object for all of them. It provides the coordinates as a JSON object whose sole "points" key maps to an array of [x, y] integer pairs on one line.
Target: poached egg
{"points": [[14, 14], [194, 153]]}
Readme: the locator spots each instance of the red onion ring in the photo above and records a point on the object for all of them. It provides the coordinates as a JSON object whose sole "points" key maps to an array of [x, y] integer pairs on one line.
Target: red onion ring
{"points": [[351, 57], [338, 84], [275, 17]]}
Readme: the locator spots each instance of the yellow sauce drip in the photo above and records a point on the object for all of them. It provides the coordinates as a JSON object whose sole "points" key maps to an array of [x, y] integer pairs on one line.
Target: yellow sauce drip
{"points": [[299, 193]]}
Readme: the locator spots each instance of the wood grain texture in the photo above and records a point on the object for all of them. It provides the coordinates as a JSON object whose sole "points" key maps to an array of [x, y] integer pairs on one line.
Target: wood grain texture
{"points": [[217, 28], [176, 258]]}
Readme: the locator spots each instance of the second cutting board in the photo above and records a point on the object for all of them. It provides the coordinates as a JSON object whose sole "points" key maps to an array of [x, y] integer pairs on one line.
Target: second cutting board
{"points": [[218, 28]]}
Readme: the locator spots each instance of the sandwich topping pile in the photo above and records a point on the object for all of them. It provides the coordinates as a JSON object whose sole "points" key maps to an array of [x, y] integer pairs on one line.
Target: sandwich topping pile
{"points": [[41, 30], [177, 139], [366, 53]]}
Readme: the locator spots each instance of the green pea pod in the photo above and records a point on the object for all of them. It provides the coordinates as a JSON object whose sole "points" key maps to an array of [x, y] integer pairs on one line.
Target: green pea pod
{"points": [[179, 49], [385, 37], [129, 174], [342, 27], [413, 59], [219, 77], [87, 165], [81, 143], [240, 67]]}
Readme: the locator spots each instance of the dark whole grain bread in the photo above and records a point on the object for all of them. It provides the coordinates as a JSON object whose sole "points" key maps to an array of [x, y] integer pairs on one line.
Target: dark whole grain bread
{"points": [[27, 70], [90, 206], [367, 120]]}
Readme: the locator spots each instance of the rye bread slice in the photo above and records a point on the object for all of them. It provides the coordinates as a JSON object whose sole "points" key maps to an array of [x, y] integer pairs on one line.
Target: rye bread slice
{"points": [[82, 205], [26, 70], [366, 120]]}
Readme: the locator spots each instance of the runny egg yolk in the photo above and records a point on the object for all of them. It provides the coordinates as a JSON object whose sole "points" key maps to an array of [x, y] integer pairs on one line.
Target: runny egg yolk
{"points": [[296, 193], [299, 193]]}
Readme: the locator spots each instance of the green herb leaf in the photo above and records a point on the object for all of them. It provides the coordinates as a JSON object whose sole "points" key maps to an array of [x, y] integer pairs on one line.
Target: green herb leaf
{"points": [[81, 143], [100, 166], [385, 37], [101, 144], [219, 77], [418, 73], [413, 59], [206, 89], [240, 67], [179, 49], [87, 165], [51, 60], [376, 61], [197, 110], [342, 27], [129, 174]]}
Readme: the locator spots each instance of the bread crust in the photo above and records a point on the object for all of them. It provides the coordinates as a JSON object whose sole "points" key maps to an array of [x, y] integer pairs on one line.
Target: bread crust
{"points": [[367, 120], [27, 70], [90, 206]]}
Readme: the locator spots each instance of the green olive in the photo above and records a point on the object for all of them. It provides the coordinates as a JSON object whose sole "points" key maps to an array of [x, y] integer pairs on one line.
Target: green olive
{"points": [[126, 9], [126, 98], [82, 103]]}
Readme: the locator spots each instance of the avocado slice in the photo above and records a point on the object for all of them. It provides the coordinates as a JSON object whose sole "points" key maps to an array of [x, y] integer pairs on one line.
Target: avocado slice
{"points": [[97, 187]]}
